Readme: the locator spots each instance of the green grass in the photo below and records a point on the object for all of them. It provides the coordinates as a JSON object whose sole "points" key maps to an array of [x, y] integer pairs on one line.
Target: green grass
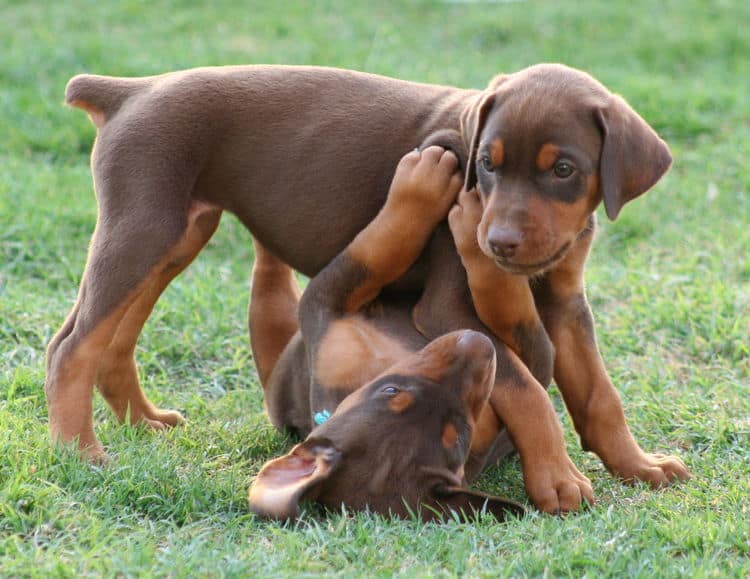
{"points": [[670, 284]]}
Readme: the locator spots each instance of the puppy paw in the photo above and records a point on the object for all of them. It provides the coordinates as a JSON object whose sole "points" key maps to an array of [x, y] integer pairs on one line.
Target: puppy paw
{"points": [[162, 419], [427, 182], [558, 488], [464, 219], [94, 454], [658, 470], [151, 416]]}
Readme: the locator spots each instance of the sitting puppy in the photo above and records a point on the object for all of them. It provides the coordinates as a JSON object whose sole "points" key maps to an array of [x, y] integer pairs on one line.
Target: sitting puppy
{"points": [[395, 414]]}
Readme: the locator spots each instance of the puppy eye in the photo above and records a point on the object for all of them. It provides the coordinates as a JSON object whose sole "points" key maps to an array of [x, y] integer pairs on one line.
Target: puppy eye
{"points": [[563, 169], [486, 163], [390, 389]]}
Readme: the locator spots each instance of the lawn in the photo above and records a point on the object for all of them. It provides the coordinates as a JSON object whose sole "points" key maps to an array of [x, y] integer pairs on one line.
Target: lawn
{"points": [[669, 282]]}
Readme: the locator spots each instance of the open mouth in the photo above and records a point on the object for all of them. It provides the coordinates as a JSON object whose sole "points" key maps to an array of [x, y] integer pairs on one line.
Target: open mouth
{"points": [[533, 268]]}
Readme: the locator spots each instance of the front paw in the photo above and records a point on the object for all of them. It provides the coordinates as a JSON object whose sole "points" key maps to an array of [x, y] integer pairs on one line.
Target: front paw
{"points": [[658, 470], [464, 218], [557, 487], [426, 183]]}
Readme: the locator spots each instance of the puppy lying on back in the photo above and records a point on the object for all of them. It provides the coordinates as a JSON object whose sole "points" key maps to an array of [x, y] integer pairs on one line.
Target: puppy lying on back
{"points": [[395, 413]]}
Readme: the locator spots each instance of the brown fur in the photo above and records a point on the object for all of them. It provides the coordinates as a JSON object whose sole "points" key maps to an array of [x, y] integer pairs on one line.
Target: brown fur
{"points": [[303, 156]]}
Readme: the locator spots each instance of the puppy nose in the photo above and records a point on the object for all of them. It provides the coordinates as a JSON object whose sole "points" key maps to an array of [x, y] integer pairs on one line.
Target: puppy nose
{"points": [[476, 345], [477, 368], [504, 241]]}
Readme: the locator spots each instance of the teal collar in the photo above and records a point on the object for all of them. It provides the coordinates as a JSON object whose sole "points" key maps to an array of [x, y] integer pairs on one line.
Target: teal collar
{"points": [[321, 417]]}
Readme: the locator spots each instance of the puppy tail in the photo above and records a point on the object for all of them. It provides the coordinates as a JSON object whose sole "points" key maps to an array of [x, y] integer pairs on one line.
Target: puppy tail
{"points": [[101, 96]]}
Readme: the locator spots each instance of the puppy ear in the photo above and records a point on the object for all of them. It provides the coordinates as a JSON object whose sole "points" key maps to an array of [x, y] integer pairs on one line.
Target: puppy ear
{"points": [[472, 123], [283, 482], [465, 503], [633, 157]]}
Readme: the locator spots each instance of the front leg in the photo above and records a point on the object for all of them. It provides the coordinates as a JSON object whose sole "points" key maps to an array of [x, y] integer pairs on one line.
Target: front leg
{"points": [[505, 304], [519, 405], [552, 480], [579, 372]]}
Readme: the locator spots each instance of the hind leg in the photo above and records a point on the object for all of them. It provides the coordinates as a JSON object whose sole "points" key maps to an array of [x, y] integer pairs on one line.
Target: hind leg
{"points": [[117, 378], [133, 256], [272, 316]]}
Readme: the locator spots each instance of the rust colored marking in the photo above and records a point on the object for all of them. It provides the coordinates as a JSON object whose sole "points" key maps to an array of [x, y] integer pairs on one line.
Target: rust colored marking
{"points": [[497, 152], [401, 402], [96, 116], [353, 352], [565, 218], [547, 156], [486, 430], [517, 308], [273, 310], [450, 435]]}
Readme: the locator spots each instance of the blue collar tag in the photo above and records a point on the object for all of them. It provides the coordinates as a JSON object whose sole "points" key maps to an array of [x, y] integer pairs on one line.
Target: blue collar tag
{"points": [[321, 417]]}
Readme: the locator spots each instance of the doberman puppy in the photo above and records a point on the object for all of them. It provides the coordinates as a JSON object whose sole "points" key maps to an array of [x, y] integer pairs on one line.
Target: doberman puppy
{"points": [[403, 410], [303, 156]]}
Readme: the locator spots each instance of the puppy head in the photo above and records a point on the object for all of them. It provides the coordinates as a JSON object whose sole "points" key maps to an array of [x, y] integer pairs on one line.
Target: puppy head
{"points": [[397, 445], [546, 145]]}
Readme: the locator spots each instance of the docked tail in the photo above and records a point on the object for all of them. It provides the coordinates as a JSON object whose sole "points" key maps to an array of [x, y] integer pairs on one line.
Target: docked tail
{"points": [[102, 96]]}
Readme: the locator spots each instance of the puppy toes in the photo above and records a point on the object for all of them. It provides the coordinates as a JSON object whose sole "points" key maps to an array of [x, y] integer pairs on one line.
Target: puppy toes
{"points": [[163, 419], [561, 491], [170, 417], [94, 454], [426, 183], [655, 469]]}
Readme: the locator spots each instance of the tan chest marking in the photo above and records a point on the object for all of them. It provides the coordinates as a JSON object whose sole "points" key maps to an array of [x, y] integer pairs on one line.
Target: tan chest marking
{"points": [[354, 352]]}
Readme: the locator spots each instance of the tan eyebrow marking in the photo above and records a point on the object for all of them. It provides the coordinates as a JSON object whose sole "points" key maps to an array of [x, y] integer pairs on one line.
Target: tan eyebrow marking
{"points": [[401, 402], [497, 152], [450, 435], [547, 156]]}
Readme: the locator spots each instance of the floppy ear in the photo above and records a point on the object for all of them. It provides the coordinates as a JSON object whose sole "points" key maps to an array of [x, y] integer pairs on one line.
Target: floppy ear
{"points": [[283, 482], [633, 157], [472, 123], [465, 503]]}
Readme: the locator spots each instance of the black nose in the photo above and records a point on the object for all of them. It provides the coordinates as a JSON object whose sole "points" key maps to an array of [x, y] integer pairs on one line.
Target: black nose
{"points": [[504, 241]]}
